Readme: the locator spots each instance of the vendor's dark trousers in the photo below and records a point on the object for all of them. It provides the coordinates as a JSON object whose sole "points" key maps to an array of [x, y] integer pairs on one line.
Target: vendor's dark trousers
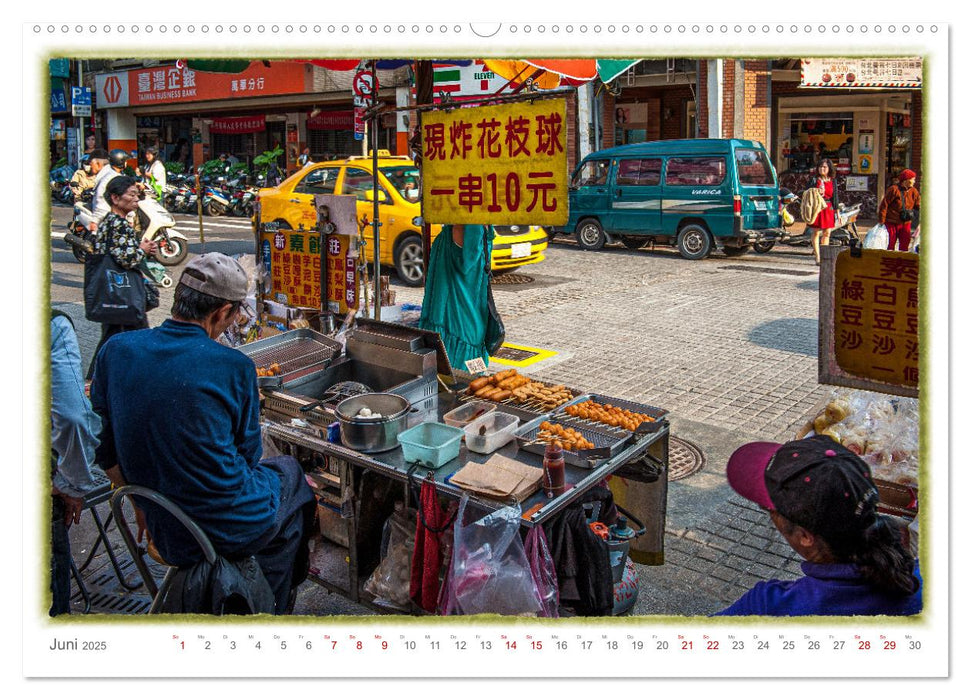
{"points": [[108, 330], [282, 550], [60, 560]]}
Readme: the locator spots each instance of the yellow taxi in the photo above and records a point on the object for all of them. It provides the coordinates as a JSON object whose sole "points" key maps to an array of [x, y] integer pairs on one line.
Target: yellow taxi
{"points": [[291, 204]]}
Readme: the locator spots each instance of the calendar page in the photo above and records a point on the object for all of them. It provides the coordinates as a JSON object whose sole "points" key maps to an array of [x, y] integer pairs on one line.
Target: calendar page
{"points": [[668, 474]]}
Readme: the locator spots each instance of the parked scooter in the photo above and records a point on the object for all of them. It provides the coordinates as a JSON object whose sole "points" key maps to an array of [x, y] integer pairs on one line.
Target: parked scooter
{"points": [[60, 179], [151, 219], [845, 225], [215, 199], [244, 202]]}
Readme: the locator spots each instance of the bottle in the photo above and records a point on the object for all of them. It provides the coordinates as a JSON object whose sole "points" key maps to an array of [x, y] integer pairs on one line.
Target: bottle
{"points": [[554, 471]]}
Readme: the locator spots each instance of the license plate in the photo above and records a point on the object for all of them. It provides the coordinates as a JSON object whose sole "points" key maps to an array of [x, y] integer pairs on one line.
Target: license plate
{"points": [[759, 204], [520, 250]]}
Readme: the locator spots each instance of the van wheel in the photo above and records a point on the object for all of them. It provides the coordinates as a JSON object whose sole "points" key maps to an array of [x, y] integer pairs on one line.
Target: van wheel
{"points": [[735, 251], [763, 247], [634, 242], [694, 242], [408, 262], [590, 235]]}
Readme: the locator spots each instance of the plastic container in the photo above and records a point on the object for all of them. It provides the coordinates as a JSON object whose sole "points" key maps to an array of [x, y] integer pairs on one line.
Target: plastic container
{"points": [[431, 444], [500, 428], [468, 412]]}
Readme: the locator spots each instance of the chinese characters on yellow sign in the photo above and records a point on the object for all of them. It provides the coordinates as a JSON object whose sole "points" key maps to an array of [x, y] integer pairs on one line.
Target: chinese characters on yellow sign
{"points": [[292, 261], [875, 316], [342, 287], [496, 165]]}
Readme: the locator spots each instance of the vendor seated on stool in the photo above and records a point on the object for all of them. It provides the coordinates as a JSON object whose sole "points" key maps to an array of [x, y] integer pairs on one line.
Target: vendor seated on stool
{"points": [[822, 499], [180, 415]]}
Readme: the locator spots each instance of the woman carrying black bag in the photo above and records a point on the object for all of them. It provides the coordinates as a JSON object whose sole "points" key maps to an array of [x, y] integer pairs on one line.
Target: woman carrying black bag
{"points": [[115, 237]]}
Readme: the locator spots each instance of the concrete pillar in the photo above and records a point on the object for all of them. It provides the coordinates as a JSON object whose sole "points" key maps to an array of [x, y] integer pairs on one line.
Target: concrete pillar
{"points": [[738, 94], [715, 87], [584, 99], [122, 130], [402, 98]]}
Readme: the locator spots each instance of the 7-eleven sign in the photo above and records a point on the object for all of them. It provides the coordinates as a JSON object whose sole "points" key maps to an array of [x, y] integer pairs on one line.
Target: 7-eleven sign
{"points": [[474, 80]]}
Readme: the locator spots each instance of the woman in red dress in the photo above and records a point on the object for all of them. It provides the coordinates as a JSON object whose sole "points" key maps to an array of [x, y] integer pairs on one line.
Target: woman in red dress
{"points": [[825, 221]]}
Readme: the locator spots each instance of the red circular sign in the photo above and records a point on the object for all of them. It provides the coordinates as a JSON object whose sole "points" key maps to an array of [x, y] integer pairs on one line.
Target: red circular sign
{"points": [[365, 83]]}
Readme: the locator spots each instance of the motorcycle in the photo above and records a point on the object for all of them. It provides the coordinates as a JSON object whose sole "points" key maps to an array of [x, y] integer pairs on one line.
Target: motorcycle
{"points": [[215, 199], [151, 220], [841, 235], [60, 179], [244, 202]]}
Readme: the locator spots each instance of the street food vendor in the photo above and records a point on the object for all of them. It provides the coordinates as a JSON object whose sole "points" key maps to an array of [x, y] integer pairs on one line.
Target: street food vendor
{"points": [[456, 291], [180, 415], [821, 497]]}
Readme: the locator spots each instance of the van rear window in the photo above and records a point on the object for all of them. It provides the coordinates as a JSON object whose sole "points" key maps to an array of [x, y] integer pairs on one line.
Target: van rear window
{"points": [[705, 170], [753, 167]]}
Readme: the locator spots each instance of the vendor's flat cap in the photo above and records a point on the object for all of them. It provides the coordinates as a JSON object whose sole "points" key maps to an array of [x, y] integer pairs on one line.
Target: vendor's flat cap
{"points": [[217, 275]]}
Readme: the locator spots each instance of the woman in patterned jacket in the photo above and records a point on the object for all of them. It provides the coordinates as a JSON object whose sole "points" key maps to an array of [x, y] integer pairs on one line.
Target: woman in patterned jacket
{"points": [[116, 237]]}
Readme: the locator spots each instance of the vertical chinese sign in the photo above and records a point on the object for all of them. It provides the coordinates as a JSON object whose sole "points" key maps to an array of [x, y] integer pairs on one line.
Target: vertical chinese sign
{"points": [[292, 259], [342, 281], [873, 339], [502, 165]]}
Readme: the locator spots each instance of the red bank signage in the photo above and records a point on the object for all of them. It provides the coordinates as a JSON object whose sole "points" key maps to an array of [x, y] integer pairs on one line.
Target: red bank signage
{"points": [[238, 125], [178, 83]]}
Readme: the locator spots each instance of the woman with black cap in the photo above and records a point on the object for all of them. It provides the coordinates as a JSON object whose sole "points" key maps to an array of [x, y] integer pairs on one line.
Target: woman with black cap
{"points": [[821, 497]]}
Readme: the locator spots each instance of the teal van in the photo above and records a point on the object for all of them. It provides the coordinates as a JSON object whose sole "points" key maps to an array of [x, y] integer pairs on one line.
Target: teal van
{"points": [[695, 194]]}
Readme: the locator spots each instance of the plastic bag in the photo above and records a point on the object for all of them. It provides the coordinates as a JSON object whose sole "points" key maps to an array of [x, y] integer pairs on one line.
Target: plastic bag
{"points": [[489, 572], [877, 238], [391, 581], [543, 568]]}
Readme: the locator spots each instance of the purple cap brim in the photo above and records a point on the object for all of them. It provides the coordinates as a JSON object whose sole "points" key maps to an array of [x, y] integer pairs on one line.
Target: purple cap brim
{"points": [[746, 471]]}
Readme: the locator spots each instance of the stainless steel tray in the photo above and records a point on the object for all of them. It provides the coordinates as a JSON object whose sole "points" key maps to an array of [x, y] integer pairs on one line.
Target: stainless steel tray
{"points": [[299, 353], [560, 412], [611, 440]]}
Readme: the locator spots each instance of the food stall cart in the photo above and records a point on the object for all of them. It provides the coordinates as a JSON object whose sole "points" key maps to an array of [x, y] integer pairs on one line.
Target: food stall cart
{"points": [[357, 487]]}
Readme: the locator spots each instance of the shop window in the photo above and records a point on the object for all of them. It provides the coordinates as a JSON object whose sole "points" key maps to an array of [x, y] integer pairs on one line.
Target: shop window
{"points": [[357, 182], [328, 144], [318, 181], [592, 172], [228, 143], [753, 167], [707, 171], [641, 171], [813, 137]]}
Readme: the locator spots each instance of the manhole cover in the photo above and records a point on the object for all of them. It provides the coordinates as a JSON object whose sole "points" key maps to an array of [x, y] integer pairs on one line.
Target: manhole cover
{"points": [[684, 458], [511, 279]]}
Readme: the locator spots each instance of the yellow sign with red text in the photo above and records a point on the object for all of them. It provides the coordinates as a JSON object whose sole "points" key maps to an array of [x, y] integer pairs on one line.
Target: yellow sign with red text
{"points": [[876, 316], [500, 165]]}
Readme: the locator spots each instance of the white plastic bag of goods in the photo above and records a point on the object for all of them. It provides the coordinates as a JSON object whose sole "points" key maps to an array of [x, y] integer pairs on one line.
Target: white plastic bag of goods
{"points": [[877, 238]]}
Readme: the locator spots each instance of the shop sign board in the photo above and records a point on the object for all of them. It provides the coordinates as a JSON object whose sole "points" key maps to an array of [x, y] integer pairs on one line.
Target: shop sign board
{"points": [[465, 82], [179, 83], [58, 99], [862, 72], [238, 125], [59, 67], [501, 164], [869, 322], [81, 101], [291, 261], [856, 183], [342, 278], [334, 120]]}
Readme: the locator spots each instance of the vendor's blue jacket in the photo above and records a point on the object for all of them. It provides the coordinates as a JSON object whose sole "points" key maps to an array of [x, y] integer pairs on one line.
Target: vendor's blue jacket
{"points": [[826, 589], [180, 415]]}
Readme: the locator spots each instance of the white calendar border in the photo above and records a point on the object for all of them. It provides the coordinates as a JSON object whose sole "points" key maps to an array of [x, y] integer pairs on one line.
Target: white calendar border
{"points": [[140, 649]]}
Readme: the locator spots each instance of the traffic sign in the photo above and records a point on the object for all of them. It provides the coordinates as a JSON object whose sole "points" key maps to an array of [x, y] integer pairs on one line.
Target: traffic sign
{"points": [[81, 101], [365, 83]]}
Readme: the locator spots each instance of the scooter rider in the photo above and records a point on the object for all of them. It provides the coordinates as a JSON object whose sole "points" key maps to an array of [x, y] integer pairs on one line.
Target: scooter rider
{"points": [[83, 178], [116, 159]]}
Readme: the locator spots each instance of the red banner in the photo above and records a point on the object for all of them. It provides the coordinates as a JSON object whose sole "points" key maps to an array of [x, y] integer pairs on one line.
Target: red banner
{"points": [[342, 120], [238, 125]]}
